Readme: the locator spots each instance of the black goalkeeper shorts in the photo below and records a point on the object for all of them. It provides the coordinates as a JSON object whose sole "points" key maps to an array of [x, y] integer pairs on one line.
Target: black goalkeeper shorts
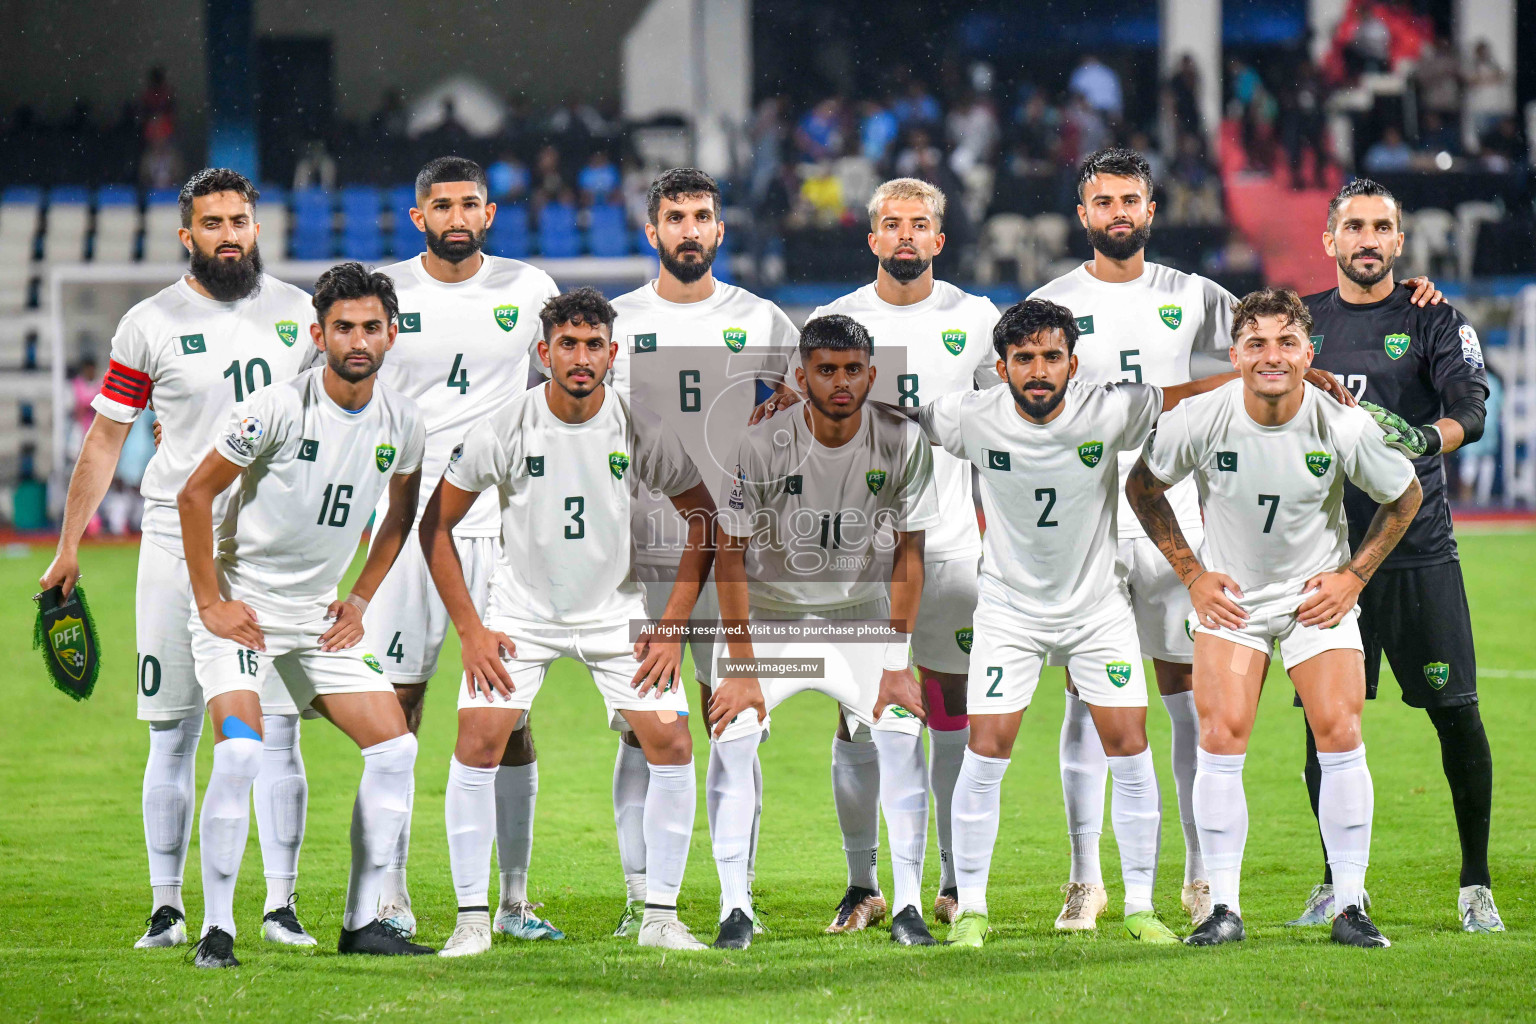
{"points": [[1419, 619]]}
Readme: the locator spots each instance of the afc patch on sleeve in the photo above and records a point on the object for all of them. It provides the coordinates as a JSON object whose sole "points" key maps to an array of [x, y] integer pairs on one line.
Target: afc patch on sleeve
{"points": [[1471, 348]]}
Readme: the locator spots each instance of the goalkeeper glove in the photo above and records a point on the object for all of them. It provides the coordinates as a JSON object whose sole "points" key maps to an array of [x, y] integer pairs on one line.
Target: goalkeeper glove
{"points": [[1414, 442]]}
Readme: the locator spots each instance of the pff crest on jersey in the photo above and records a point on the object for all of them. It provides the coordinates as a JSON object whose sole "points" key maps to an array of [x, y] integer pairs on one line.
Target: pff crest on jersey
{"points": [[964, 638], [1318, 463], [1396, 344], [1091, 452], [875, 478], [1171, 315], [506, 317], [287, 331], [618, 462], [384, 457], [735, 338], [954, 341]]}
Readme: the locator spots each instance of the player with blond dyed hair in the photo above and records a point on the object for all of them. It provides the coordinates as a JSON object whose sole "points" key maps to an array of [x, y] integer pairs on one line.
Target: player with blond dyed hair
{"points": [[931, 339]]}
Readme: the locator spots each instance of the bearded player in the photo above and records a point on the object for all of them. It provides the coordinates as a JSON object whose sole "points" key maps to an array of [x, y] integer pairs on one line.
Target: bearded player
{"points": [[222, 332], [468, 323]]}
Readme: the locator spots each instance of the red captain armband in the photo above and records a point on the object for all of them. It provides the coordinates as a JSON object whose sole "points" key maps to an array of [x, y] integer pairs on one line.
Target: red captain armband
{"points": [[126, 386]]}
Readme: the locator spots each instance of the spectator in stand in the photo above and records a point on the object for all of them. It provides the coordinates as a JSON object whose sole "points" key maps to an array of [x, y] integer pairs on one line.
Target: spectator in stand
{"points": [[1193, 187], [819, 135], [1302, 126], [1438, 134], [878, 131], [1097, 83], [507, 179], [1141, 142], [161, 165], [919, 158], [84, 386], [317, 168], [917, 106], [157, 108], [1489, 95], [768, 134], [1438, 77], [1183, 93], [548, 178], [1037, 128], [1390, 153], [1254, 109], [1502, 146], [1084, 130], [972, 128], [599, 180], [388, 123]]}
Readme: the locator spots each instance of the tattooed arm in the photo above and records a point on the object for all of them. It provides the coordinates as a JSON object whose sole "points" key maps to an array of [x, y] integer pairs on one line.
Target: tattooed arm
{"points": [[1336, 592], [1211, 593]]}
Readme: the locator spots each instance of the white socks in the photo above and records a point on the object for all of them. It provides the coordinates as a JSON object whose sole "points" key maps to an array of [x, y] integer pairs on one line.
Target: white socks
{"points": [[670, 803], [1344, 806], [1221, 814], [517, 792], [904, 800], [1137, 812], [1083, 771], [729, 792], [1186, 740], [282, 801], [856, 794], [469, 810], [946, 752], [170, 794], [393, 891], [631, 778], [976, 809], [226, 822], [381, 811]]}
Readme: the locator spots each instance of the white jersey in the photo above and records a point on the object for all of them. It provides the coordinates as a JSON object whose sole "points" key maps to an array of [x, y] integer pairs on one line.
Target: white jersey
{"points": [[822, 519], [194, 357], [564, 491], [462, 353], [1048, 491], [1145, 330], [946, 343], [1274, 496], [694, 365], [314, 471]]}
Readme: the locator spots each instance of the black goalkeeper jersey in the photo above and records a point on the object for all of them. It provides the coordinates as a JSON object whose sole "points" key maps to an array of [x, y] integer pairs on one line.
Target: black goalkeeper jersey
{"points": [[1404, 358]]}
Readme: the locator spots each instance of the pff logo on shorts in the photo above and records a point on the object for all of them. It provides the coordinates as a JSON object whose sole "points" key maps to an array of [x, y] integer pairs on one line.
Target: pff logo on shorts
{"points": [[373, 663], [1437, 674], [1119, 672]]}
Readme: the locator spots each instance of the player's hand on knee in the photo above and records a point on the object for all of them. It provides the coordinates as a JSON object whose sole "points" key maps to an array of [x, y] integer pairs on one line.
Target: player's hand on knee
{"points": [[1330, 596], [485, 653], [65, 572], [233, 620], [1331, 384], [732, 697], [782, 398], [899, 688], [660, 666], [347, 630], [1214, 596]]}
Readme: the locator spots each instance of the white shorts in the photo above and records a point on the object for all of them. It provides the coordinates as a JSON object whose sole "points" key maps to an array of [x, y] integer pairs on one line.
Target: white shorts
{"points": [[293, 661], [167, 677], [407, 615], [608, 652], [1159, 601], [657, 581], [850, 674], [1010, 650], [942, 640], [1272, 620]]}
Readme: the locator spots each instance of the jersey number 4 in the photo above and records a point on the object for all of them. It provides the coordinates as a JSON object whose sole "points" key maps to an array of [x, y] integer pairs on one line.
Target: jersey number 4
{"points": [[458, 377]]}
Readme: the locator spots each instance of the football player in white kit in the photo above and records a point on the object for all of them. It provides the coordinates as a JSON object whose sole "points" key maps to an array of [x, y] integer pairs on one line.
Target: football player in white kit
{"points": [[1270, 458], [943, 340], [220, 333], [691, 350], [823, 519], [468, 324], [1051, 588], [565, 459], [306, 461]]}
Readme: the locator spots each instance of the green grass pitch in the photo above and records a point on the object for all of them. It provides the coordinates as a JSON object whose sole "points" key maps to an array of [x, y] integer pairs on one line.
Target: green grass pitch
{"points": [[73, 892]]}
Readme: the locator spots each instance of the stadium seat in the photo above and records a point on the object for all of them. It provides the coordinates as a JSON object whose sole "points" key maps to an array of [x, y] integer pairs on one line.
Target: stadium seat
{"points": [[1469, 216], [1004, 239], [643, 243], [361, 235], [404, 240], [311, 238], [19, 210], [162, 219], [508, 235], [1428, 245], [116, 239], [558, 237], [607, 233], [68, 222]]}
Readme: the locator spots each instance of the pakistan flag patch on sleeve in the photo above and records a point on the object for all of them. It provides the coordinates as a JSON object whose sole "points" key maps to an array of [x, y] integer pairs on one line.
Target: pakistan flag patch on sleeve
{"points": [[1318, 463], [618, 462], [1091, 452], [1119, 672], [384, 457]]}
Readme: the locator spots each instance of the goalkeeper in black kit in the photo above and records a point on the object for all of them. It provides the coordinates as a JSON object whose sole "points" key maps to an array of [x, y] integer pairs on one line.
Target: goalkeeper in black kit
{"points": [[1419, 372]]}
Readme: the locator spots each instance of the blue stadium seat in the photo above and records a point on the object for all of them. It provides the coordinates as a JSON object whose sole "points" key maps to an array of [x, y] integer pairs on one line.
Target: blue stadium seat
{"points": [[607, 234], [162, 197], [29, 195], [508, 235], [311, 238], [642, 243], [558, 237], [405, 241], [117, 195], [70, 195], [362, 237]]}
